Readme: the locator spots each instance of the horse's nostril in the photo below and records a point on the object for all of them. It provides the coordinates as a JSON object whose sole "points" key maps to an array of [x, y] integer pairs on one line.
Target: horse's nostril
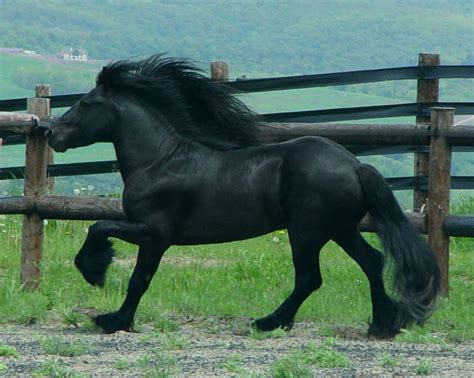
{"points": [[48, 133]]}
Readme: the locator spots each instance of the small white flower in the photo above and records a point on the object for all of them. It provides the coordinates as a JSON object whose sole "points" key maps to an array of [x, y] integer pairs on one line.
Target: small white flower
{"points": [[83, 189], [45, 222], [77, 191], [90, 188], [275, 239]]}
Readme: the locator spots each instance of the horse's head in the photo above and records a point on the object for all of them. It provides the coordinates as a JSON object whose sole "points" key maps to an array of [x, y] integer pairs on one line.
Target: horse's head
{"points": [[86, 122]]}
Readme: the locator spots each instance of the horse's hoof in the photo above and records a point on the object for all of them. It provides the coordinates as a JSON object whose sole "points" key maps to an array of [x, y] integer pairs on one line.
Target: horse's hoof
{"points": [[381, 333], [270, 323], [112, 322]]}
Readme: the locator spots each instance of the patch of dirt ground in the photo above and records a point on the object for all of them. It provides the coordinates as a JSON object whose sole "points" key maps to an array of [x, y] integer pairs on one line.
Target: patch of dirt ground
{"points": [[210, 347]]}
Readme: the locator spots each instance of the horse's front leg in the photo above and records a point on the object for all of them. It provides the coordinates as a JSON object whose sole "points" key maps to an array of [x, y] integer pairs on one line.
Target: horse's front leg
{"points": [[149, 257], [96, 254]]}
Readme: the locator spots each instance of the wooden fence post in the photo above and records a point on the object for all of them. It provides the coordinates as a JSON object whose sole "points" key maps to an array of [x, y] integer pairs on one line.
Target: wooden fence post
{"points": [[44, 90], [220, 71], [439, 183], [35, 186], [427, 91]]}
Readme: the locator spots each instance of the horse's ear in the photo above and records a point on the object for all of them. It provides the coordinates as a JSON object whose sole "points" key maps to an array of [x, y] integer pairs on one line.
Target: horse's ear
{"points": [[104, 77]]}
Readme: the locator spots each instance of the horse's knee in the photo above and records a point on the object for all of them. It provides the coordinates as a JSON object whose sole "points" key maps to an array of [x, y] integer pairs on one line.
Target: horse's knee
{"points": [[98, 229], [309, 283]]}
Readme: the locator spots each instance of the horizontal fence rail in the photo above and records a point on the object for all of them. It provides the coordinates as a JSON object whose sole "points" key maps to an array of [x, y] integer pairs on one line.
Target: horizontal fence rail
{"points": [[301, 82], [111, 166], [353, 77], [368, 112], [393, 134], [95, 208]]}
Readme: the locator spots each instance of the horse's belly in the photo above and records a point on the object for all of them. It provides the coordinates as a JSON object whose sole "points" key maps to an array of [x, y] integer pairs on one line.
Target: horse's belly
{"points": [[219, 222]]}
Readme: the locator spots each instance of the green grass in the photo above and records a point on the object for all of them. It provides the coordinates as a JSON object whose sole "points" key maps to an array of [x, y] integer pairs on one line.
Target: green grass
{"points": [[20, 73], [233, 364], [248, 278], [62, 347], [54, 369], [324, 357], [8, 351], [299, 362], [389, 361], [290, 366], [158, 364], [424, 367], [275, 334]]}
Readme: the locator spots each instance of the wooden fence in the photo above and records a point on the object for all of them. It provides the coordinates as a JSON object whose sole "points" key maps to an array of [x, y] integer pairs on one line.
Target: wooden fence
{"points": [[434, 132]]}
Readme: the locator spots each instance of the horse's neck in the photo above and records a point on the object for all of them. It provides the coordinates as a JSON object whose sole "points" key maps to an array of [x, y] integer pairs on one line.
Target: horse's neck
{"points": [[141, 140]]}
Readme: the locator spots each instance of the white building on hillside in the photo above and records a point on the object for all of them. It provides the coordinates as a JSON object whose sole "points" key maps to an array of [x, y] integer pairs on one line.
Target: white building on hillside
{"points": [[72, 54]]}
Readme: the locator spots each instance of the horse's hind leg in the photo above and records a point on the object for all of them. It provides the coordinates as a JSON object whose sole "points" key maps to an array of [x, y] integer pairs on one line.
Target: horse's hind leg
{"points": [[96, 253], [149, 257], [305, 248], [385, 311]]}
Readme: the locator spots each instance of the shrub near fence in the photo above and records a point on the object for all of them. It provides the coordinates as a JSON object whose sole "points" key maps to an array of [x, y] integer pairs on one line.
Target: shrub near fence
{"points": [[435, 131]]}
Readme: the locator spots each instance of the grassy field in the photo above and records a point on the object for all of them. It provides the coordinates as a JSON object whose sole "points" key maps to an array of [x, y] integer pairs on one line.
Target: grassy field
{"points": [[20, 73], [248, 278]]}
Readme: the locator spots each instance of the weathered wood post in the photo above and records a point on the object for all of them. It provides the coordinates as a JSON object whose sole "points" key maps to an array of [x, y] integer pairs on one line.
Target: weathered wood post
{"points": [[44, 90], [220, 71], [427, 91], [35, 186], [439, 183]]}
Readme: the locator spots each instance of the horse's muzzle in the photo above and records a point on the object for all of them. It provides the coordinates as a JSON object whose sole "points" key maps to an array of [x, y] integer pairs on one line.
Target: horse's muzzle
{"points": [[44, 127]]}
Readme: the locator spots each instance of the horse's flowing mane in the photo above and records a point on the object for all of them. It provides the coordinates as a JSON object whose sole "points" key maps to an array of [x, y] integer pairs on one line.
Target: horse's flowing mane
{"points": [[195, 106]]}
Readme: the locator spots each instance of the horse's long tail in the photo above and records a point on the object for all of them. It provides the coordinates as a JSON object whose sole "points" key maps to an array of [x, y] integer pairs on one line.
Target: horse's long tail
{"points": [[416, 273]]}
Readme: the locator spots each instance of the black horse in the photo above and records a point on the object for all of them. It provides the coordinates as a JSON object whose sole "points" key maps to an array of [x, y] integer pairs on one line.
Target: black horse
{"points": [[195, 173]]}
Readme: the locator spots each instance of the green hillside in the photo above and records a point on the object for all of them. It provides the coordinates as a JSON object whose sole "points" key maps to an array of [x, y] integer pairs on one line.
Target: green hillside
{"points": [[268, 37], [259, 39], [19, 74]]}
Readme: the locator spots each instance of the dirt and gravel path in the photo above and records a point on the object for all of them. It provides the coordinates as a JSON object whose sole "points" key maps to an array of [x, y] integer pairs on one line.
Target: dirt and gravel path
{"points": [[209, 347]]}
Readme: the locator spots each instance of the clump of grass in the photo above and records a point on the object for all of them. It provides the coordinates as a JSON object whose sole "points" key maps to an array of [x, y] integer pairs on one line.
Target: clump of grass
{"points": [[158, 364], [290, 366], [62, 347], [122, 364], [3, 368], [419, 335], [233, 364], [275, 334], [298, 363], [388, 361], [71, 317], [8, 351], [424, 367], [173, 341], [325, 357], [165, 325], [54, 369]]}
